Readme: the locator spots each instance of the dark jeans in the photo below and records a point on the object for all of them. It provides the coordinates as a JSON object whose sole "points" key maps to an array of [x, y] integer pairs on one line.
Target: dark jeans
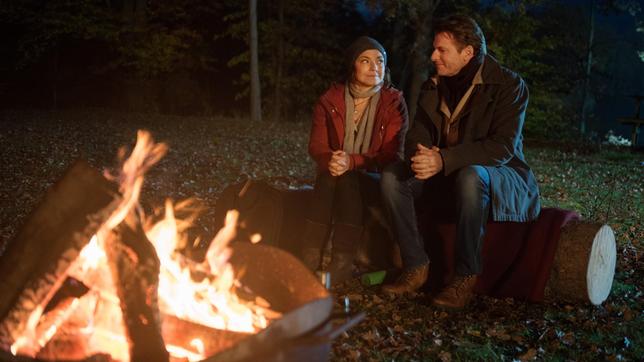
{"points": [[342, 199], [463, 196]]}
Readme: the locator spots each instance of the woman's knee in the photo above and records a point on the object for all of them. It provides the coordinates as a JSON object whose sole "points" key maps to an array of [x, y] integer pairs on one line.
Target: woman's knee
{"points": [[348, 181], [390, 178]]}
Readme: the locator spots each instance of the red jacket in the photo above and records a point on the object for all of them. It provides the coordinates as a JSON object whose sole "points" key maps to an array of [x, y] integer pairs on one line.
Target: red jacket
{"points": [[327, 131]]}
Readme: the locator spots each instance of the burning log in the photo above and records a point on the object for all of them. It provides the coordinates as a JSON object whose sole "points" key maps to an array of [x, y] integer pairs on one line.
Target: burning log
{"points": [[287, 284], [204, 340], [584, 264], [122, 273], [135, 270], [70, 342], [70, 213]]}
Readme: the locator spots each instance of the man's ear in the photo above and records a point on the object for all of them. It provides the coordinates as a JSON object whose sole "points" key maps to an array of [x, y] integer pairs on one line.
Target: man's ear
{"points": [[468, 52]]}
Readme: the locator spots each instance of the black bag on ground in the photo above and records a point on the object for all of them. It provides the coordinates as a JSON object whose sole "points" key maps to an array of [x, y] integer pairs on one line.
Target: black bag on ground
{"points": [[260, 210], [274, 214], [278, 216]]}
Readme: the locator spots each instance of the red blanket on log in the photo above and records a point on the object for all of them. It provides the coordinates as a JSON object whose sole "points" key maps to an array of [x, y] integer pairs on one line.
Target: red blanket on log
{"points": [[517, 257]]}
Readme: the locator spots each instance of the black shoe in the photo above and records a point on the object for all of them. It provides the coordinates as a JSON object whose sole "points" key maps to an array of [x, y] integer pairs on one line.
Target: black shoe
{"points": [[314, 237]]}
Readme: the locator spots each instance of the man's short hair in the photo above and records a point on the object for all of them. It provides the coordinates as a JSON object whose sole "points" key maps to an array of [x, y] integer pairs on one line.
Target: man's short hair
{"points": [[464, 30]]}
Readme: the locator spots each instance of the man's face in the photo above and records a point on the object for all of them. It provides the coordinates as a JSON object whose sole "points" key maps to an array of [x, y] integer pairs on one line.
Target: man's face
{"points": [[446, 56]]}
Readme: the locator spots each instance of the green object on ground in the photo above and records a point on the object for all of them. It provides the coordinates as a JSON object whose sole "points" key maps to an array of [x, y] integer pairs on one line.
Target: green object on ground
{"points": [[374, 278]]}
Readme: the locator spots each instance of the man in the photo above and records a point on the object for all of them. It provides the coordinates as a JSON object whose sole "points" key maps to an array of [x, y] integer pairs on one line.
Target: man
{"points": [[463, 158]]}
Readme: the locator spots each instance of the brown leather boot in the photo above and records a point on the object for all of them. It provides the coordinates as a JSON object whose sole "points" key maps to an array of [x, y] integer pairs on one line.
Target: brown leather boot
{"points": [[409, 281], [457, 294]]}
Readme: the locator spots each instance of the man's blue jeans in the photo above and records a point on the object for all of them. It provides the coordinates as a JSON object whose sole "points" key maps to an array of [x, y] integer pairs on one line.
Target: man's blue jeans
{"points": [[463, 196]]}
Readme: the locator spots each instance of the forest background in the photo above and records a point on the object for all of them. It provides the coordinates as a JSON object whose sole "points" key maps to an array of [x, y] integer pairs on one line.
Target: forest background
{"points": [[582, 59]]}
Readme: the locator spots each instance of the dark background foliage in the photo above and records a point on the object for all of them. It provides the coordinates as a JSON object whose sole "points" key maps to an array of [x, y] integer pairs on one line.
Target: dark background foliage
{"points": [[190, 57]]}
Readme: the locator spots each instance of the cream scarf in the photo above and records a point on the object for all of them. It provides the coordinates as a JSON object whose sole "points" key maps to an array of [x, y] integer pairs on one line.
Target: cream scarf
{"points": [[357, 136]]}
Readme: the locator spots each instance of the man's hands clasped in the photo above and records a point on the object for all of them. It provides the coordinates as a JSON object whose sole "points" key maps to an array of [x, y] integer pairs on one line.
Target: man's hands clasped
{"points": [[427, 162]]}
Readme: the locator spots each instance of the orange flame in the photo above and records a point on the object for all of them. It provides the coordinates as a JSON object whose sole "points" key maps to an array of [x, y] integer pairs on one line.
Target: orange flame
{"points": [[211, 301]]}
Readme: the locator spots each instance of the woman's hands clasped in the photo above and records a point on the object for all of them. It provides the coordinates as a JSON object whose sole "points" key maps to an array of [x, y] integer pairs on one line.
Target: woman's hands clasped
{"points": [[339, 163]]}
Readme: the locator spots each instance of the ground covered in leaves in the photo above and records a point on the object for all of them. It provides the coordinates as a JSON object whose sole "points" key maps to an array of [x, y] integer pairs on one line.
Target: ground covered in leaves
{"points": [[206, 154]]}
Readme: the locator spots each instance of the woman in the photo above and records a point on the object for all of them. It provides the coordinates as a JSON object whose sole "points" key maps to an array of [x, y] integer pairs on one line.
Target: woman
{"points": [[358, 128]]}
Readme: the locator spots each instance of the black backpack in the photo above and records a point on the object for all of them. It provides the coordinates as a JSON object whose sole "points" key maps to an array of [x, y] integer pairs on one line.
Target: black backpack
{"points": [[277, 215]]}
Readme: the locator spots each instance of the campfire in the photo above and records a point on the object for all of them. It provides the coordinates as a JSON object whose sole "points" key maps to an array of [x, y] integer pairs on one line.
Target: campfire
{"points": [[90, 274]]}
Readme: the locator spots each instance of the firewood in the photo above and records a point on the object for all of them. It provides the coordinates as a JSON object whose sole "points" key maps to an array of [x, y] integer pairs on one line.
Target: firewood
{"points": [[181, 333], [35, 262], [69, 342], [135, 270], [584, 264]]}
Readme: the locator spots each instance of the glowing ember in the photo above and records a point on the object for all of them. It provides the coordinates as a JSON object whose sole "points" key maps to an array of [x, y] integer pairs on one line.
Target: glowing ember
{"points": [[210, 301]]}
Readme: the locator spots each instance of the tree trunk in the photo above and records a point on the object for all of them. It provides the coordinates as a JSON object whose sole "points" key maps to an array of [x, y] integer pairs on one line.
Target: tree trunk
{"points": [[139, 12], [54, 82], [420, 55], [584, 264], [396, 56], [134, 11], [586, 101], [277, 92], [255, 95]]}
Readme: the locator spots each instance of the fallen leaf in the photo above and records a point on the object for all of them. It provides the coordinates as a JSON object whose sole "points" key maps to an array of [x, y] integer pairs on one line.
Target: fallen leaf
{"points": [[530, 355]]}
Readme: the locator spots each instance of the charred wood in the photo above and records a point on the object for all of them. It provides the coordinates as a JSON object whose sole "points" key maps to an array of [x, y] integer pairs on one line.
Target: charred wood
{"points": [[135, 270], [35, 262]]}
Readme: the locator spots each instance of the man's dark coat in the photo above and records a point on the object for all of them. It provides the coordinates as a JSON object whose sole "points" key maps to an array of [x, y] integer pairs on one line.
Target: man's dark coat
{"points": [[490, 128]]}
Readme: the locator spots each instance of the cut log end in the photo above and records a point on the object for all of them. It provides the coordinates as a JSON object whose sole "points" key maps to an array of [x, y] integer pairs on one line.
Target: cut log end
{"points": [[584, 265], [601, 265]]}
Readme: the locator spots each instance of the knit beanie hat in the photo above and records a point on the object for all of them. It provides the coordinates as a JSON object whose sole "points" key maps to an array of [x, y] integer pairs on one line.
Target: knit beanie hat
{"points": [[357, 47]]}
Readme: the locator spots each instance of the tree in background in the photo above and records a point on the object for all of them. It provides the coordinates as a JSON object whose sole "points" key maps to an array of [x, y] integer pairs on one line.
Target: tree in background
{"points": [[410, 23], [583, 55], [517, 38], [122, 44], [46, 32], [193, 56], [300, 53], [255, 92]]}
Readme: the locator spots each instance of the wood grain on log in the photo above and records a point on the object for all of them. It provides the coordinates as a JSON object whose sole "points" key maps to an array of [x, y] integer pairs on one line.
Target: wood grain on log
{"points": [[135, 269], [584, 264], [35, 262]]}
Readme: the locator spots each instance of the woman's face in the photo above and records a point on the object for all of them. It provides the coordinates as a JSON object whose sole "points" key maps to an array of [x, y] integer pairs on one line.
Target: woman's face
{"points": [[369, 68]]}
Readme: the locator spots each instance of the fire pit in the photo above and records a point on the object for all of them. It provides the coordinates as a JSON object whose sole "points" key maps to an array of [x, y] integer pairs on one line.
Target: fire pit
{"points": [[91, 277]]}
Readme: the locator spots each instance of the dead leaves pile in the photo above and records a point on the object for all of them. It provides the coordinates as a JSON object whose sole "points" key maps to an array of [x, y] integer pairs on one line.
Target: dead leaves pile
{"points": [[206, 154]]}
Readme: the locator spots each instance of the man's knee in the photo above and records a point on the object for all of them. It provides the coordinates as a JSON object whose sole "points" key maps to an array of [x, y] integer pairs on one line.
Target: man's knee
{"points": [[473, 183]]}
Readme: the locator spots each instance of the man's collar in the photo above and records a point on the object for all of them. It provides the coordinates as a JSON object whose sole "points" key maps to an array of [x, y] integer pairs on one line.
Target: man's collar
{"points": [[491, 71]]}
